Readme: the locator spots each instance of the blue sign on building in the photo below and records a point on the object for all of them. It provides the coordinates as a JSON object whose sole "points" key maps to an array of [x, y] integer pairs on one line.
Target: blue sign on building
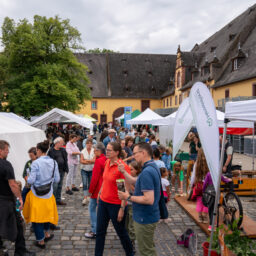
{"points": [[127, 116]]}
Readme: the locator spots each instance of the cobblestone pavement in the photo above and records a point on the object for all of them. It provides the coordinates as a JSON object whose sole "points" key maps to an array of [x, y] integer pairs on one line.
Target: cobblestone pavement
{"points": [[74, 222]]}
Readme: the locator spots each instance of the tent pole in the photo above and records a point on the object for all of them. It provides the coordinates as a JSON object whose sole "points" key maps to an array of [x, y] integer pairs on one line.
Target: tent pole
{"points": [[253, 147], [218, 184]]}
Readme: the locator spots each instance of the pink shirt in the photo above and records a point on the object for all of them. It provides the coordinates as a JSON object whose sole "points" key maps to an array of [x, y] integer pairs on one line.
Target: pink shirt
{"points": [[72, 148]]}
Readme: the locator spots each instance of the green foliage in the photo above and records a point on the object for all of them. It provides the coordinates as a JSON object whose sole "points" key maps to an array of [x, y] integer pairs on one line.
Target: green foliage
{"points": [[215, 240], [38, 69], [240, 245], [98, 50]]}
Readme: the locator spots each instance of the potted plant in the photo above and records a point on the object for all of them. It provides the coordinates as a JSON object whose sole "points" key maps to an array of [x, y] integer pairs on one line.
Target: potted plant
{"points": [[215, 250], [236, 244]]}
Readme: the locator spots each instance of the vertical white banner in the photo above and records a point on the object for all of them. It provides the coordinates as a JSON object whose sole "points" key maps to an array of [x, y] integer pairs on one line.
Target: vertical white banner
{"points": [[204, 115], [182, 125]]}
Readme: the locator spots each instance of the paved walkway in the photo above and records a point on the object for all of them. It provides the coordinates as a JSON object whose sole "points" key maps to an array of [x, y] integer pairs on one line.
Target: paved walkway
{"points": [[74, 222]]}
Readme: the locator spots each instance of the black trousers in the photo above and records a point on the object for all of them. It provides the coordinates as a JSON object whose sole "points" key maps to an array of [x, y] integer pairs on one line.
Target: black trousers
{"points": [[20, 244]]}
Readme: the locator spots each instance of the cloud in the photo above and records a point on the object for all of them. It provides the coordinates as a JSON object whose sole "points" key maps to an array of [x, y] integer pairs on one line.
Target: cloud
{"points": [[145, 26]]}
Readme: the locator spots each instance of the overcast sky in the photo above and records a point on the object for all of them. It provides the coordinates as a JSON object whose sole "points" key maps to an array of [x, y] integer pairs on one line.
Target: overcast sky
{"points": [[134, 26]]}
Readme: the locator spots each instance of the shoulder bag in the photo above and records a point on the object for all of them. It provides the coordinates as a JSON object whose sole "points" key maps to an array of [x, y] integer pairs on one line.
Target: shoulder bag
{"points": [[45, 189], [162, 205]]}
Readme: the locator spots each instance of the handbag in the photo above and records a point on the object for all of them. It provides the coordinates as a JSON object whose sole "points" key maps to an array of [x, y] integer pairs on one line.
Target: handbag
{"points": [[45, 189], [197, 190], [208, 195], [162, 206]]}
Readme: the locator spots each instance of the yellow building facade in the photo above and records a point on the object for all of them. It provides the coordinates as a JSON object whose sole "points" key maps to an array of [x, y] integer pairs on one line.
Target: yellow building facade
{"points": [[109, 108]]}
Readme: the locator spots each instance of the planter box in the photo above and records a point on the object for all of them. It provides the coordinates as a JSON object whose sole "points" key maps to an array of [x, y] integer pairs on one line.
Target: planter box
{"points": [[223, 248]]}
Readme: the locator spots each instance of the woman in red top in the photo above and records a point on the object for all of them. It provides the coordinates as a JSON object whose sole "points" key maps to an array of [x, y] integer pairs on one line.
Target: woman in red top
{"points": [[110, 207], [95, 185]]}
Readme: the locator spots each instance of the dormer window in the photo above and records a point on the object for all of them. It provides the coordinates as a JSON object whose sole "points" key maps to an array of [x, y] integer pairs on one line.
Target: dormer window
{"points": [[231, 36], [235, 64], [213, 48]]}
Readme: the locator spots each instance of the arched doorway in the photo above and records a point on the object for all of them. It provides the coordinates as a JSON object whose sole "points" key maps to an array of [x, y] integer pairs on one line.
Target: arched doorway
{"points": [[95, 116], [118, 112]]}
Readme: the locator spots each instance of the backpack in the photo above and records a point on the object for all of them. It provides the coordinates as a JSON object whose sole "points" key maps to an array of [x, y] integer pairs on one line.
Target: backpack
{"points": [[208, 195], [189, 240]]}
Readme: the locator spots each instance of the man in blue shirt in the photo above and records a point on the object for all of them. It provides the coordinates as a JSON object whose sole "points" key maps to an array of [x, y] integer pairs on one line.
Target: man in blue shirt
{"points": [[145, 200], [110, 137]]}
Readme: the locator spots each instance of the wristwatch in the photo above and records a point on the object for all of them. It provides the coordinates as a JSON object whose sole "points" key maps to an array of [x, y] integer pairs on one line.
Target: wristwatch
{"points": [[128, 198]]}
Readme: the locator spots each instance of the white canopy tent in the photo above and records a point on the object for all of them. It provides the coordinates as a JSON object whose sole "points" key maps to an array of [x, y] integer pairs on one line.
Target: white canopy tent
{"points": [[14, 116], [145, 117], [21, 138], [119, 118], [241, 110], [166, 125], [55, 115]]}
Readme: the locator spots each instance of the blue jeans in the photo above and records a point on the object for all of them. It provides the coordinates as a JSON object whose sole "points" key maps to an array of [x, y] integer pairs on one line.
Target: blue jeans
{"points": [[39, 229], [24, 193], [93, 213], [57, 187], [107, 212], [86, 178]]}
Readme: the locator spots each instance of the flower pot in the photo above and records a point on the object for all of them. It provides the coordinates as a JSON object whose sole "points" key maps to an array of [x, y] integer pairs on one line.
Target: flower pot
{"points": [[205, 246]]}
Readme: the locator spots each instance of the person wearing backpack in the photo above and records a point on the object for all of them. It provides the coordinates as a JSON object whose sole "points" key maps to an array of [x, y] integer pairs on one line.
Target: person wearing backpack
{"points": [[201, 169], [208, 182], [145, 200]]}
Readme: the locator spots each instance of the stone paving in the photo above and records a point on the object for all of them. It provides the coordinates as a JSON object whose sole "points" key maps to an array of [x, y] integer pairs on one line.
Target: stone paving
{"points": [[74, 222]]}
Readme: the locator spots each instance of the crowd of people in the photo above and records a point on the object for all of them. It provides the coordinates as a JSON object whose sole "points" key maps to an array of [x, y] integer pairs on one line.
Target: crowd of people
{"points": [[120, 176]]}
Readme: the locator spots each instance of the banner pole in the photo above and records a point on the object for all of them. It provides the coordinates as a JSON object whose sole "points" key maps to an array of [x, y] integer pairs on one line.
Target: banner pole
{"points": [[218, 184], [253, 147]]}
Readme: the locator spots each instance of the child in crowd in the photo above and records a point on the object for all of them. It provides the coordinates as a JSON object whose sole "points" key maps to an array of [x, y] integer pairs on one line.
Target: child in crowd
{"points": [[135, 171], [165, 186], [178, 174], [207, 182], [201, 169]]}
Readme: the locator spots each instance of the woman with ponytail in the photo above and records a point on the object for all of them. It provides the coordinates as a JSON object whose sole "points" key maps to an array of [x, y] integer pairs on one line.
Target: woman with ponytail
{"points": [[40, 206]]}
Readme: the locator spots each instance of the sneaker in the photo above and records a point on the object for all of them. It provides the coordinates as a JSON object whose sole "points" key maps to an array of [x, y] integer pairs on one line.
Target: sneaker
{"points": [[84, 202], [90, 235], [201, 219], [75, 189], [69, 192]]}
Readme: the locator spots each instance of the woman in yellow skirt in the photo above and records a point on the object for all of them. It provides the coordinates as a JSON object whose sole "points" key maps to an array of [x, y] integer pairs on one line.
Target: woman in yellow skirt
{"points": [[42, 210]]}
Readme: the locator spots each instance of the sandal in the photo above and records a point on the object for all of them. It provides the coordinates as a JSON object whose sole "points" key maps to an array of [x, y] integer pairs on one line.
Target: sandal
{"points": [[90, 235], [49, 238]]}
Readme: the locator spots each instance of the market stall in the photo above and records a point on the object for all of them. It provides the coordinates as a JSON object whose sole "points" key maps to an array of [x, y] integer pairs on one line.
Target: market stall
{"points": [[21, 138]]}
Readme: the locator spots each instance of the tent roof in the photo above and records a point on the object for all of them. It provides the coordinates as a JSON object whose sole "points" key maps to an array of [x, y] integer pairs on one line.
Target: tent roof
{"points": [[14, 116], [10, 125], [170, 119], [145, 117], [241, 110], [56, 114], [89, 118]]}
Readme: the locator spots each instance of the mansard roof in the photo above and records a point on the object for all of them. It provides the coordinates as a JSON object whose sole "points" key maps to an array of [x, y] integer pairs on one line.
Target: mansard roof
{"points": [[223, 46], [125, 75]]}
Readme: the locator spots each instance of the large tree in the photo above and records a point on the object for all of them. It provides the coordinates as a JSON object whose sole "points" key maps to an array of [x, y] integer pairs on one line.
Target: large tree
{"points": [[38, 69]]}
